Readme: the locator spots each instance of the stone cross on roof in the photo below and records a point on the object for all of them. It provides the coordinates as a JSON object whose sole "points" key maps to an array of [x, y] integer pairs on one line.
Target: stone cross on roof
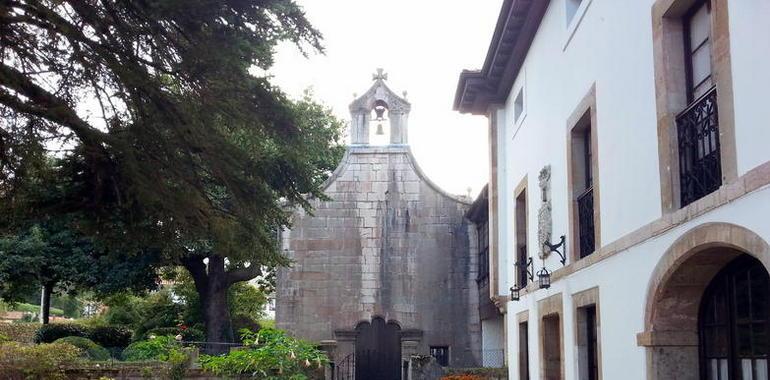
{"points": [[380, 75]]}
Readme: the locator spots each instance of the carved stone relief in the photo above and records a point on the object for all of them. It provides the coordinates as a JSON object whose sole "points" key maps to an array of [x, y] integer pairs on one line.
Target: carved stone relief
{"points": [[544, 222]]}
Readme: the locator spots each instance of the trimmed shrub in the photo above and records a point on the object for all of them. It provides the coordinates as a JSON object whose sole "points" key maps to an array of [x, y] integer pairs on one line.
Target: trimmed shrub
{"points": [[90, 350], [158, 348], [44, 361], [51, 332], [20, 332], [111, 336]]}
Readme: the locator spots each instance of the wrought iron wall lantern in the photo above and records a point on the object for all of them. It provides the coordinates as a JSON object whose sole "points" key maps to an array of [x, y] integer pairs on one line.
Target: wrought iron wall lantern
{"points": [[526, 269], [551, 248], [544, 275], [544, 278], [515, 293]]}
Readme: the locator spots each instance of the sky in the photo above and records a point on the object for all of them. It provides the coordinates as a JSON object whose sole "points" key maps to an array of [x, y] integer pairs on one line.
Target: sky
{"points": [[422, 45]]}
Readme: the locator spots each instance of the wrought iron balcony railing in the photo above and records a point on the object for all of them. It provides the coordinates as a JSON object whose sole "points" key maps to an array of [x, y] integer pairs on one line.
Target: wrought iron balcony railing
{"points": [[585, 206], [700, 169]]}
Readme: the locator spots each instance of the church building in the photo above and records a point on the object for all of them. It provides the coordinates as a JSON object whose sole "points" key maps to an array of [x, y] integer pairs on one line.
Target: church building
{"points": [[383, 269]]}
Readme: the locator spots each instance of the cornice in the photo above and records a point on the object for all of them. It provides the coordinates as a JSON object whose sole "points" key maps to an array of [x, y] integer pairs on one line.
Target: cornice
{"points": [[516, 28]]}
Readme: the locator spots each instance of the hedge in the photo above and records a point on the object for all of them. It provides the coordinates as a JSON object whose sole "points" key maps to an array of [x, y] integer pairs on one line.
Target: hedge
{"points": [[20, 332]]}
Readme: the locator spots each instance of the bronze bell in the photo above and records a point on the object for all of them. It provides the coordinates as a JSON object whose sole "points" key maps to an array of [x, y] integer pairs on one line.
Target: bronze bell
{"points": [[380, 132]]}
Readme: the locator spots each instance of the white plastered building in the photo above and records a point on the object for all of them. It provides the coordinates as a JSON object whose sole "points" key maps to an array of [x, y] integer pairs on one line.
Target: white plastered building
{"points": [[639, 131]]}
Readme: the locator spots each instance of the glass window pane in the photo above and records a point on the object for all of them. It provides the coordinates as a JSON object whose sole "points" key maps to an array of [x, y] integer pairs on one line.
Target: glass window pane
{"points": [[701, 64], [723, 369], [759, 294], [761, 366], [744, 339], [759, 339], [713, 369], [700, 27], [746, 369], [741, 296]]}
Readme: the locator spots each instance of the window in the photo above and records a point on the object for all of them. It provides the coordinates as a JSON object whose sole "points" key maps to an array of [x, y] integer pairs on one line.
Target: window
{"points": [[483, 238], [693, 90], [572, 7], [700, 171], [441, 353], [582, 166], [518, 105], [734, 323], [587, 343], [521, 239], [697, 42], [523, 351], [552, 347]]}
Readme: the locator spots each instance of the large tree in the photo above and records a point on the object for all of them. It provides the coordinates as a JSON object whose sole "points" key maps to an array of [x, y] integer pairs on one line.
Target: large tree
{"points": [[174, 136], [41, 249]]}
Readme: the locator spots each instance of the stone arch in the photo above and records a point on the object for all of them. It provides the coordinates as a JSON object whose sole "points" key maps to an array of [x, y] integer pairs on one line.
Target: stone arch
{"points": [[675, 290]]}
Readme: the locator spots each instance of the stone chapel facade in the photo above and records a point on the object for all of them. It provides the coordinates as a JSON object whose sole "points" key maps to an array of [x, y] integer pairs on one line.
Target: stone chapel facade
{"points": [[383, 269]]}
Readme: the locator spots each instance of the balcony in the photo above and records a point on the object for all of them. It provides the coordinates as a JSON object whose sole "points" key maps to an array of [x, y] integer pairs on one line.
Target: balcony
{"points": [[700, 170], [585, 206]]}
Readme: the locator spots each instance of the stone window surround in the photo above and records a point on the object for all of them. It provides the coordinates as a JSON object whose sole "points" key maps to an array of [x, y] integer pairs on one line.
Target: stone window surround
{"points": [[671, 94], [547, 307], [585, 298], [586, 105]]}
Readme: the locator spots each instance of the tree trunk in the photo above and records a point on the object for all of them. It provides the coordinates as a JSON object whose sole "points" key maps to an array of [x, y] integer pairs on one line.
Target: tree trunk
{"points": [[211, 283], [45, 303]]}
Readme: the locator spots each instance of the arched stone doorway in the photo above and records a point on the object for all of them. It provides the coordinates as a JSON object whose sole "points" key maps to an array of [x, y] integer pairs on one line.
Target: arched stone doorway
{"points": [[676, 290], [734, 322], [378, 350]]}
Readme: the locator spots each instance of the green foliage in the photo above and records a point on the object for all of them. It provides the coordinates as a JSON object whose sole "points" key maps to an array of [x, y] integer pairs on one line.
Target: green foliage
{"points": [[156, 348], [4, 339], [51, 332], [111, 336], [43, 361], [245, 300], [90, 350], [20, 332], [195, 155], [267, 323], [268, 354]]}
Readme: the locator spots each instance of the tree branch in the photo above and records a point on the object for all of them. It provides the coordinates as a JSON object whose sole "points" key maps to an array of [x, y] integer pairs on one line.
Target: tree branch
{"points": [[243, 273], [46, 105]]}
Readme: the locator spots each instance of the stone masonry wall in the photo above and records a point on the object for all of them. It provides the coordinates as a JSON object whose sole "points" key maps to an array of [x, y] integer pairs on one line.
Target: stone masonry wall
{"points": [[389, 243]]}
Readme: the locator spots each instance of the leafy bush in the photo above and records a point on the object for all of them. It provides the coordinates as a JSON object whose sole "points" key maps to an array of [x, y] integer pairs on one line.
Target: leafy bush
{"points": [[19, 332], [162, 331], [243, 322], [4, 339], [111, 336], [189, 334], [51, 332], [158, 348], [44, 361], [90, 350], [268, 354]]}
